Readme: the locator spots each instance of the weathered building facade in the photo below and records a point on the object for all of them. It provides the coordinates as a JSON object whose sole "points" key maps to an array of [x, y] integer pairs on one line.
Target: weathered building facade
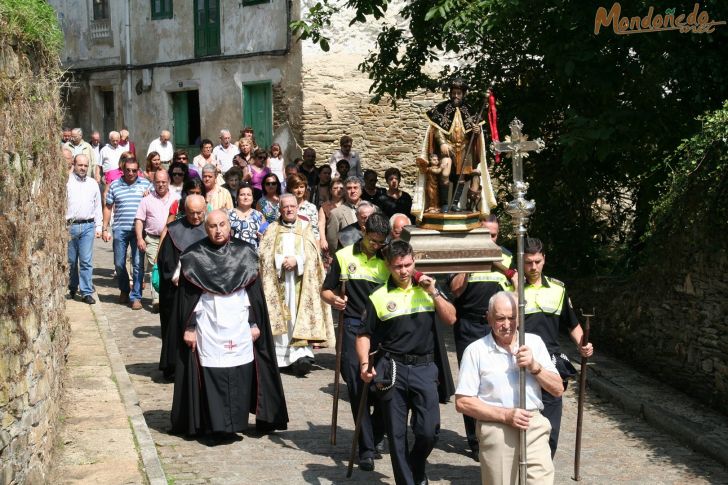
{"points": [[192, 67]]}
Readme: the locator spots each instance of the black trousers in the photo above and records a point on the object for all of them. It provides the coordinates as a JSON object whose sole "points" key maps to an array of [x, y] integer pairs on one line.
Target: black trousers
{"points": [[467, 331], [372, 424], [552, 408], [415, 390]]}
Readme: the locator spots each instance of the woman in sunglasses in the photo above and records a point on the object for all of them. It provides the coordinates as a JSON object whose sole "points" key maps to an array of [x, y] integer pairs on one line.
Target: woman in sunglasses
{"points": [[268, 203], [257, 171], [178, 175]]}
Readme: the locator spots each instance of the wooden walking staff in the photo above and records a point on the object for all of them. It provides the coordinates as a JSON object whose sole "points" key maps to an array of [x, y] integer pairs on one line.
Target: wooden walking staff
{"points": [[582, 395], [337, 371], [359, 416], [517, 147]]}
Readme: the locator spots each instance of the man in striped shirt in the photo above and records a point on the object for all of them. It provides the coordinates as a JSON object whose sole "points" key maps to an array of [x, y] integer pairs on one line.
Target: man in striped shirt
{"points": [[124, 196]]}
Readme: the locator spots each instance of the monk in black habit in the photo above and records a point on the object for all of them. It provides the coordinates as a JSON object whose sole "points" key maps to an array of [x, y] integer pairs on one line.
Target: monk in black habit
{"points": [[226, 366], [180, 235]]}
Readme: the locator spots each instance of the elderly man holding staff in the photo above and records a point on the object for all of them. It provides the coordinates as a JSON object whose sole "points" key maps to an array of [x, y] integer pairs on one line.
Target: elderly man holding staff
{"points": [[488, 391]]}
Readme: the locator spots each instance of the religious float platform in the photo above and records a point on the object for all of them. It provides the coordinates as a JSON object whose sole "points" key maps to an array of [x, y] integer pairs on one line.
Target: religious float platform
{"points": [[453, 249]]}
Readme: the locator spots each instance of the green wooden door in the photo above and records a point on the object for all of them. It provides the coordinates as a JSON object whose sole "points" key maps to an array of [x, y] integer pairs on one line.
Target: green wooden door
{"points": [[258, 111], [207, 27], [186, 113], [180, 109]]}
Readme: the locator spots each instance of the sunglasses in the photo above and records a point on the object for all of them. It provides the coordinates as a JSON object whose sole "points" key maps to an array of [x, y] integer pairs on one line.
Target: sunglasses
{"points": [[131, 170], [271, 184], [181, 158], [178, 174], [261, 157]]}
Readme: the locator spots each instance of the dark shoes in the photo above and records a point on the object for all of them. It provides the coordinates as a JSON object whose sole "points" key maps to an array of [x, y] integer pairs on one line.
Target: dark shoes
{"points": [[424, 481], [123, 298], [155, 307], [366, 464], [302, 366], [71, 294], [89, 300]]}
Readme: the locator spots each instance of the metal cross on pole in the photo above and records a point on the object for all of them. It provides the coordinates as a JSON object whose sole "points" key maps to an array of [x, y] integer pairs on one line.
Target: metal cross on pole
{"points": [[517, 147]]}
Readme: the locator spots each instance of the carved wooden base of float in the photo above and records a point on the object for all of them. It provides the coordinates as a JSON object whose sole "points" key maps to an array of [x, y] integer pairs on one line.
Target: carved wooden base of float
{"points": [[452, 251]]}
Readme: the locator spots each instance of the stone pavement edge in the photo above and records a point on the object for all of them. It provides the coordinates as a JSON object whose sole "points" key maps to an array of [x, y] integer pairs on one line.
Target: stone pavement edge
{"points": [[103, 437]]}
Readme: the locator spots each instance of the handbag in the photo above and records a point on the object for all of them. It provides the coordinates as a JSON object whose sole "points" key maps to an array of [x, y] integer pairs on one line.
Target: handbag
{"points": [[155, 277]]}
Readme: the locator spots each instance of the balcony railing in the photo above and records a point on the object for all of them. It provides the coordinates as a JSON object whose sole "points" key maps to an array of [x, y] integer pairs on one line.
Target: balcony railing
{"points": [[100, 30]]}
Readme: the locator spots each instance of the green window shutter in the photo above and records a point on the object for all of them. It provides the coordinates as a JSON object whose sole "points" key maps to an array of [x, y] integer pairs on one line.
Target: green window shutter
{"points": [[258, 111], [207, 27], [247, 3], [161, 9]]}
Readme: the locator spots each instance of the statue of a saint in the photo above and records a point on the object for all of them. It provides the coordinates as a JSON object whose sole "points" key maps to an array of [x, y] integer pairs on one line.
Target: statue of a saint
{"points": [[452, 124]]}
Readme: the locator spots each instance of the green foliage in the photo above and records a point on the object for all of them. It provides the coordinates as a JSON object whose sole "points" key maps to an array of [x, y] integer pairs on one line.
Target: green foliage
{"points": [[32, 22], [609, 107], [695, 192]]}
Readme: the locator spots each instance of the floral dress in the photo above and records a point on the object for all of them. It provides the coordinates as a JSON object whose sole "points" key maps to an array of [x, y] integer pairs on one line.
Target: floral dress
{"points": [[268, 209], [247, 229], [308, 212]]}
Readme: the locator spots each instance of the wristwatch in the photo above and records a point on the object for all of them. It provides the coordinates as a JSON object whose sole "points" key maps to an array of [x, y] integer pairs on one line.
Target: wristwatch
{"points": [[436, 294]]}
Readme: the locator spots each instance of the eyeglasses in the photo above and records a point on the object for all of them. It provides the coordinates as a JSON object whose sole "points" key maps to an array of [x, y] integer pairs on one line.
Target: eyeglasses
{"points": [[380, 244], [131, 170], [181, 158], [178, 174], [261, 157], [271, 184]]}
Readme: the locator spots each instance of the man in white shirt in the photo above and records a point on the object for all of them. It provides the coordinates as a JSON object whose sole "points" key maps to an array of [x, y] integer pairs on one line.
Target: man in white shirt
{"points": [[83, 218], [346, 153], [111, 153], [225, 151], [488, 391], [164, 147]]}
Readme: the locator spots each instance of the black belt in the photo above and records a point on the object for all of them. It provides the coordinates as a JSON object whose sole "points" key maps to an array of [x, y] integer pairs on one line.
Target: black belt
{"points": [[412, 359], [79, 221]]}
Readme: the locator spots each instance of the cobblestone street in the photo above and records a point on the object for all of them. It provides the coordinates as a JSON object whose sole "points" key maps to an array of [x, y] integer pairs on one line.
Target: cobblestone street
{"points": [[616, 446]]}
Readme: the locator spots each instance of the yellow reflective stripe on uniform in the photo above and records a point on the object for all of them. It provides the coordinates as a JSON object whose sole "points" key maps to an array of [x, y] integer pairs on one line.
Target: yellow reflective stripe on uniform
{"points": [[544, 299], [359, 267], [398, 302]]}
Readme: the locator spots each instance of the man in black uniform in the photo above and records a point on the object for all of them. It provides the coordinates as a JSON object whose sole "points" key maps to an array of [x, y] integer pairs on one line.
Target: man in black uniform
{"points": [[472, 292], [548, 308], [412, 371], [361, 266]]}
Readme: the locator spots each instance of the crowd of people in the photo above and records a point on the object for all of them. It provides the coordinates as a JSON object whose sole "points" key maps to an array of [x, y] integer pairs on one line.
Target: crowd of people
{"points": [[254, 256]]}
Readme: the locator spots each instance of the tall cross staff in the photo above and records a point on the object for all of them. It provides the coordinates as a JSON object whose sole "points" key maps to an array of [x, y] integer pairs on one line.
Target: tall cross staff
{"points": [[517, 146]]}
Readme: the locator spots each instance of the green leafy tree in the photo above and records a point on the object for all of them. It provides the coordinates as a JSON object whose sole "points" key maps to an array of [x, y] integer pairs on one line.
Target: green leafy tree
{"points": [[610, 107]]}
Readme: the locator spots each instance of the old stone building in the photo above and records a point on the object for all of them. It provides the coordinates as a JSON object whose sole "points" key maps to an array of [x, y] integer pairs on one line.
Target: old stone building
{"points": [[192, 67], [196, 67]]}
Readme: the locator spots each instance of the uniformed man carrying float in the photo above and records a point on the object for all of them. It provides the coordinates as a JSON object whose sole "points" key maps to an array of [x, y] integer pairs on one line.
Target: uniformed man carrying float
{"points": [[472, 292], [360, 265], [411, 372], [547, 309]]}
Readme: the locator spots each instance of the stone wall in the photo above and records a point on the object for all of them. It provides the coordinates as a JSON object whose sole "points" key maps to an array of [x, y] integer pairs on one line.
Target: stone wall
{"points": [[33, 330], [670, 319], [336, 100], [384, 136]]}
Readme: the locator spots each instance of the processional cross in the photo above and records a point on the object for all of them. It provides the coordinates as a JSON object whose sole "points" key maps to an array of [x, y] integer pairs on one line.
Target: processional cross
{"points": [[517, 147]]}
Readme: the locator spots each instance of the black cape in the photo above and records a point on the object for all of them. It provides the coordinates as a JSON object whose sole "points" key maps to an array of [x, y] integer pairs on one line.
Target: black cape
{"points": [[180, 235], [206, 267], [443, 115]]}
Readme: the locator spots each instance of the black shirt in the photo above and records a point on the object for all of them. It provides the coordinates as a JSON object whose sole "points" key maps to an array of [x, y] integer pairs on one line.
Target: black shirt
{"points": [[547, 325], [391, 206]]}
